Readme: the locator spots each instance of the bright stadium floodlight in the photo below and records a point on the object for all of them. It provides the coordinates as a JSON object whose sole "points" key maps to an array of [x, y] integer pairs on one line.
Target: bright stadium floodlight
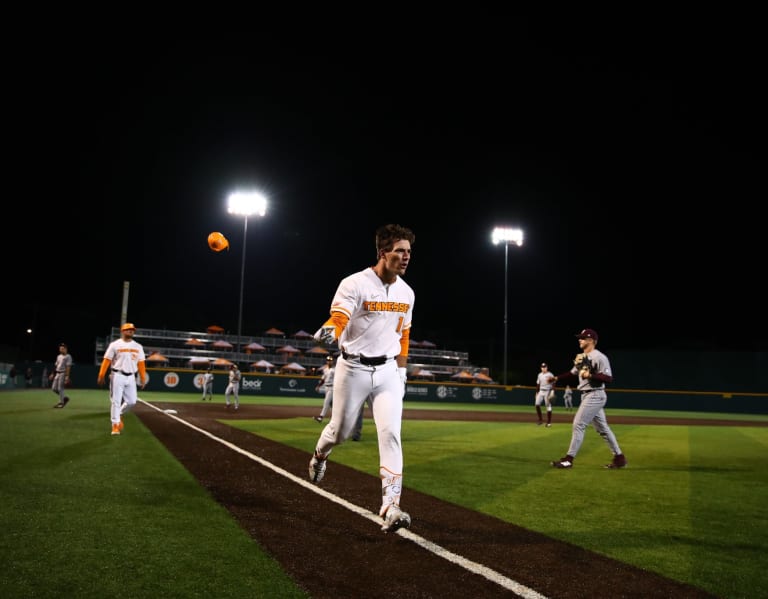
{"points": [[506, 236], [245, 204]]}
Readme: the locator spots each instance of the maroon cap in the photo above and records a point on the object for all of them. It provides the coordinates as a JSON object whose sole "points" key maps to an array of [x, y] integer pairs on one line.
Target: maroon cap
{"points": [[587, 334]]}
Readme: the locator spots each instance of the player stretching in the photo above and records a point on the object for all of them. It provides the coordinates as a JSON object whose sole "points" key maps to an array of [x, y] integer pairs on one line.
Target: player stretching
{"points": [[126, 357], [370, 321], [594, 371]]}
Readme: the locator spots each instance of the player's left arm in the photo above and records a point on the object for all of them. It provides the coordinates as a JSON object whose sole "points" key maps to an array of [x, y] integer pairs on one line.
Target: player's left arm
{"points": [[405, 344], [600, 370], [601, 376], [142, 373]]}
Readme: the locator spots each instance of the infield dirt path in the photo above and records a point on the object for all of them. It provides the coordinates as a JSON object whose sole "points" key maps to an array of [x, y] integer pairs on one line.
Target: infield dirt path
{"points": [[334, 553]]}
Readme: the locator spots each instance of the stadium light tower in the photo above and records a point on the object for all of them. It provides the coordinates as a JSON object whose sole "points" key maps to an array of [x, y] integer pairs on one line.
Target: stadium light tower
{"points": [[506, 236], [245, 204]]}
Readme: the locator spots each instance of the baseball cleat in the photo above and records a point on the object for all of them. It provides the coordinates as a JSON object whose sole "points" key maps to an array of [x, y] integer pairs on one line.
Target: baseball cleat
{"points": [[566, 462], [619, 461], [318, 418], [395, 519], [316, 469], [115, 429], [120, 425]]}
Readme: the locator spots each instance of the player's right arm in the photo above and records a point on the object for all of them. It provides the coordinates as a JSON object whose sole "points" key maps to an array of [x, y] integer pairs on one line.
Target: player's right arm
{"points": [[105, 364]]}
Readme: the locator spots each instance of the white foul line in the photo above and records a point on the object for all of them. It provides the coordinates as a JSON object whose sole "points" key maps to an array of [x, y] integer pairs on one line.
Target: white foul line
{"points": [[469, 565]]}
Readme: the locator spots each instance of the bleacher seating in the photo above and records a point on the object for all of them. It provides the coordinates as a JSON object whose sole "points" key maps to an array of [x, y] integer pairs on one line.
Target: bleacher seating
{"points": [[183, 354]]}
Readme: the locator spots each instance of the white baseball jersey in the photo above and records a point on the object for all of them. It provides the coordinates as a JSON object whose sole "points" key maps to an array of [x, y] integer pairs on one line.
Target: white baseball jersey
{"points": [[378, 313], [125, 355]]}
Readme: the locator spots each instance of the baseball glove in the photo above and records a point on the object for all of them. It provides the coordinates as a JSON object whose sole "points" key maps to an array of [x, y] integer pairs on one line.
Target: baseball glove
{"points": [[584, 365], [551, 396]]}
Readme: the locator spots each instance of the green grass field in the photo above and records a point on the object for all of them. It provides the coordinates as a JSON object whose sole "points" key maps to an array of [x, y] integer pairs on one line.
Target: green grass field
{"points": [[85, 517]]}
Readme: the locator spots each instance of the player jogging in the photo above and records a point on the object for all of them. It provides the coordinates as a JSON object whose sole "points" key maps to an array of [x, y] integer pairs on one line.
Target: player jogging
{"points": [[370, 322]]}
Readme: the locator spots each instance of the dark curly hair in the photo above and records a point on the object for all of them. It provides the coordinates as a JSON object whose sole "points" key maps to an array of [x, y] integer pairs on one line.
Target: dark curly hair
{"points": [[387, 235]]}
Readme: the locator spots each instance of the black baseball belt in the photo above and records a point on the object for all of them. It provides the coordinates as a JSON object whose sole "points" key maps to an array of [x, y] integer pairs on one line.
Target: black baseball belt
{"points": [[121, 372], [366, 360]]}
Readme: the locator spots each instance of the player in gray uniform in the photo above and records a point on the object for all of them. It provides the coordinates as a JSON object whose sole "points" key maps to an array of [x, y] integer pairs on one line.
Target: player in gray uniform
{"points": [[326, 386], [208, 385], [60, 375], [568, 398], [594, 371], [545, 386], [233, 388], [370, 322]]}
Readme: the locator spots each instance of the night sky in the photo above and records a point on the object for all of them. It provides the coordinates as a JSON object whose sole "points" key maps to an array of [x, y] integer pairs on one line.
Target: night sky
{"points": [[632, 156]]}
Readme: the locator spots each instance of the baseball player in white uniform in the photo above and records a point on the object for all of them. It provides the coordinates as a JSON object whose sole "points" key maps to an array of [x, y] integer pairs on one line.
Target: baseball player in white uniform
{"points": [[326, 386], [124, 358], [233, 388], [545, 390], [60, 375], [370, 322], [594, 371]]}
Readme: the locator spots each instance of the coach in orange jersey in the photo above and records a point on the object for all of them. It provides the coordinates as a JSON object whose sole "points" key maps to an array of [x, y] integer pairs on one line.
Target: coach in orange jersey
{"points": [[123, 359]]}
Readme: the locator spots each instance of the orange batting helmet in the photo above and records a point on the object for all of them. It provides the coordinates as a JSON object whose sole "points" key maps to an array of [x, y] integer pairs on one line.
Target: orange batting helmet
{"points": [[217, 242]]}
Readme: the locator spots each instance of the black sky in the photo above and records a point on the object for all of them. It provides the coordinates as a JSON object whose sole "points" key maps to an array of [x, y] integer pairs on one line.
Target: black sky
{"points": [[633, 158]]}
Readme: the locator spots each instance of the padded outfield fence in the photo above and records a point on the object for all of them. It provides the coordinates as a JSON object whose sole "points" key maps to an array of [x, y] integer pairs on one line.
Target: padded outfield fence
{"points": [[261, 385]]}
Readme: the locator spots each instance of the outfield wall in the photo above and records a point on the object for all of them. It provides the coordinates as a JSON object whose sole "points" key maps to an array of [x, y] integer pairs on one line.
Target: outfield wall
{"points": [[258, 384]]}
